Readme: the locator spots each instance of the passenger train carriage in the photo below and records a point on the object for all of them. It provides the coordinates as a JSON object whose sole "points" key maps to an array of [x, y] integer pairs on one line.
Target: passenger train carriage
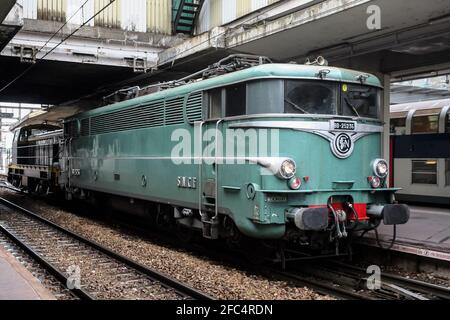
{"points": [[420, 137], [280, 152]]}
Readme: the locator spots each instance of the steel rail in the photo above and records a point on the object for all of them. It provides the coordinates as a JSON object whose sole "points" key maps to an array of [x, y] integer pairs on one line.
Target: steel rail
{"points": [[423, 287], [78, 292], [323, 288], [166, 280]]}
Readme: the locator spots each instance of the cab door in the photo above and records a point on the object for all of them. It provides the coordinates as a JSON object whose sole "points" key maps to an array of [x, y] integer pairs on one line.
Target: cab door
{"points": [[208, 167], [222, 103]]}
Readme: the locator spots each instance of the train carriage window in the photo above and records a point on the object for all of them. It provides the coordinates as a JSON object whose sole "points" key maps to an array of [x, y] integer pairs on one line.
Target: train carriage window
{"points": [[424, 171], [447, 172], [425, 121], [215, 104], [236, 100], [310, 97], [425, 124], [398, 126]]}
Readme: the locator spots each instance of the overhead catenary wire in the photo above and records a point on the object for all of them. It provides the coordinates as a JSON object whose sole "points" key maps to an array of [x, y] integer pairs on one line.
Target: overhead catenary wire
{"points": [[62, 27], [61, 42]]}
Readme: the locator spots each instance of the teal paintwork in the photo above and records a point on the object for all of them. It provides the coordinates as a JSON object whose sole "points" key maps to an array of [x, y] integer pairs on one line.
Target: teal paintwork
{"points": [[117, 162]]}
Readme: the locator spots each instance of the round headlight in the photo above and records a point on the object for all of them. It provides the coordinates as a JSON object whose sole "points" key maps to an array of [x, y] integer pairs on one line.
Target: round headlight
{"points": [[381, 168], [295, 183], [375, 182], [288, 169]]}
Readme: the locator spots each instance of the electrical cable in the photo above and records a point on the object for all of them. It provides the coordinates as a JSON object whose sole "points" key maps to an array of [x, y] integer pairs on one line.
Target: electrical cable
{"points": [[394, 237]]}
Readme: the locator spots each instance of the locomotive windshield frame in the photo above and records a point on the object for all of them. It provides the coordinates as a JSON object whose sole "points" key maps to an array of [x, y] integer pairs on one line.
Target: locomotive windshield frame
{"points": [[299, 97]]}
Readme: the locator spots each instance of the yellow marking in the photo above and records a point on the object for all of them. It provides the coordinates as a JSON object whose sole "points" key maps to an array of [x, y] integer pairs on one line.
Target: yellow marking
{"points": [[344, 87]]}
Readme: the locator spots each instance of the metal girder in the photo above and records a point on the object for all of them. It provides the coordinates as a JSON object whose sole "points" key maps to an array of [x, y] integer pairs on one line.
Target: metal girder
{"points": [[80, 50]]}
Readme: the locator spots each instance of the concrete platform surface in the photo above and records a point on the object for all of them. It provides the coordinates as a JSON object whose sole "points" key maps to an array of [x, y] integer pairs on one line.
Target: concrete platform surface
{"points": [[428, 230], [17, 283]]}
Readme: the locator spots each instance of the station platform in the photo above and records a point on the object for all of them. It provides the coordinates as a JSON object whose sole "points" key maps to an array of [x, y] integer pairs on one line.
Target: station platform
{"points": [[426, 234], [17, 283]]}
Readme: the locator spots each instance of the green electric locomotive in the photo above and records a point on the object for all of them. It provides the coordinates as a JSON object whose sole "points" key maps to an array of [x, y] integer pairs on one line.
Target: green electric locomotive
{"points": [[285, 153]]}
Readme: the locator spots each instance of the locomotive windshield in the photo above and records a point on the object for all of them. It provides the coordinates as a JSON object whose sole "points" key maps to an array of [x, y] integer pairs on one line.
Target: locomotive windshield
{"points": [[310, 97], [360, 101], [295, 97], [320, 97]]}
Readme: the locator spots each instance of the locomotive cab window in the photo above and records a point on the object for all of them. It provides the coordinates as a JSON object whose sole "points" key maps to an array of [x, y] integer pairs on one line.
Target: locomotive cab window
{"points": [[310, 97], [16, 136], [24, 134], [215, 99], [265, 96], [360, 101], [236, 100]]}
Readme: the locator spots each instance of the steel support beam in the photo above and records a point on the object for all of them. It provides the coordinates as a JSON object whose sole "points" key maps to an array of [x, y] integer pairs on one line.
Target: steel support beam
{"points": [[90, 45]]}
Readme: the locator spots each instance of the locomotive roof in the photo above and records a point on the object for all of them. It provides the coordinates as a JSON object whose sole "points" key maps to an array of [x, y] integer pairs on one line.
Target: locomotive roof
{"points": [[265, 71]]}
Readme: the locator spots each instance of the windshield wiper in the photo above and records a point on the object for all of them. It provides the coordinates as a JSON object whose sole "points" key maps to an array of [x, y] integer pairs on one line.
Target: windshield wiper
{"points": [[296, 106], [352, 106]]}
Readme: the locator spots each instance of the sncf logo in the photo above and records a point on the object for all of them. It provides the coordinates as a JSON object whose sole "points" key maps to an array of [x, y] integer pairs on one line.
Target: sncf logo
{"points": [[342, 145]]}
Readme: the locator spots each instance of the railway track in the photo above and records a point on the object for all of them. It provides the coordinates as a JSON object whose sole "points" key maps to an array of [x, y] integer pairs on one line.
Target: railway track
{"points": [[100, 272], [49, 281], [346, 281], [425, 290]]}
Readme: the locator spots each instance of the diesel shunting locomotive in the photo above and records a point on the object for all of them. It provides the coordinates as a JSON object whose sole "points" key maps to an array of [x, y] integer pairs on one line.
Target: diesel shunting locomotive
{"points": [[286, 153]]}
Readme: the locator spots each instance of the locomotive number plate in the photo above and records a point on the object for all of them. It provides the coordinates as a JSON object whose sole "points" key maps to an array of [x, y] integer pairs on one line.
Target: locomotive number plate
{"points": [[275, 199], [343, 125]]}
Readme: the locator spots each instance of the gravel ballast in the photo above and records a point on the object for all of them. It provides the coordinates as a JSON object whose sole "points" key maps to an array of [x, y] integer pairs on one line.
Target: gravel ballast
{"points": [[218, 280]]}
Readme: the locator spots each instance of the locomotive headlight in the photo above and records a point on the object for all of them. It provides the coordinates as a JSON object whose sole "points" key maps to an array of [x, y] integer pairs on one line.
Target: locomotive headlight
{"points": [[375, 182], [380, 168], [288, 169], [295, 183]]}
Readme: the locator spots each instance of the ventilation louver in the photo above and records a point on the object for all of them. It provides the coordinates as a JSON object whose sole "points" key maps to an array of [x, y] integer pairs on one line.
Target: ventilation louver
{"points": [[85, 127], [194, 107]]}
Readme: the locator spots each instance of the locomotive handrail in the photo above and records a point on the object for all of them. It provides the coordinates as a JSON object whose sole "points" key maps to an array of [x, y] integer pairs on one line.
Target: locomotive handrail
{"points": [[200, 196], [216, 209]]}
